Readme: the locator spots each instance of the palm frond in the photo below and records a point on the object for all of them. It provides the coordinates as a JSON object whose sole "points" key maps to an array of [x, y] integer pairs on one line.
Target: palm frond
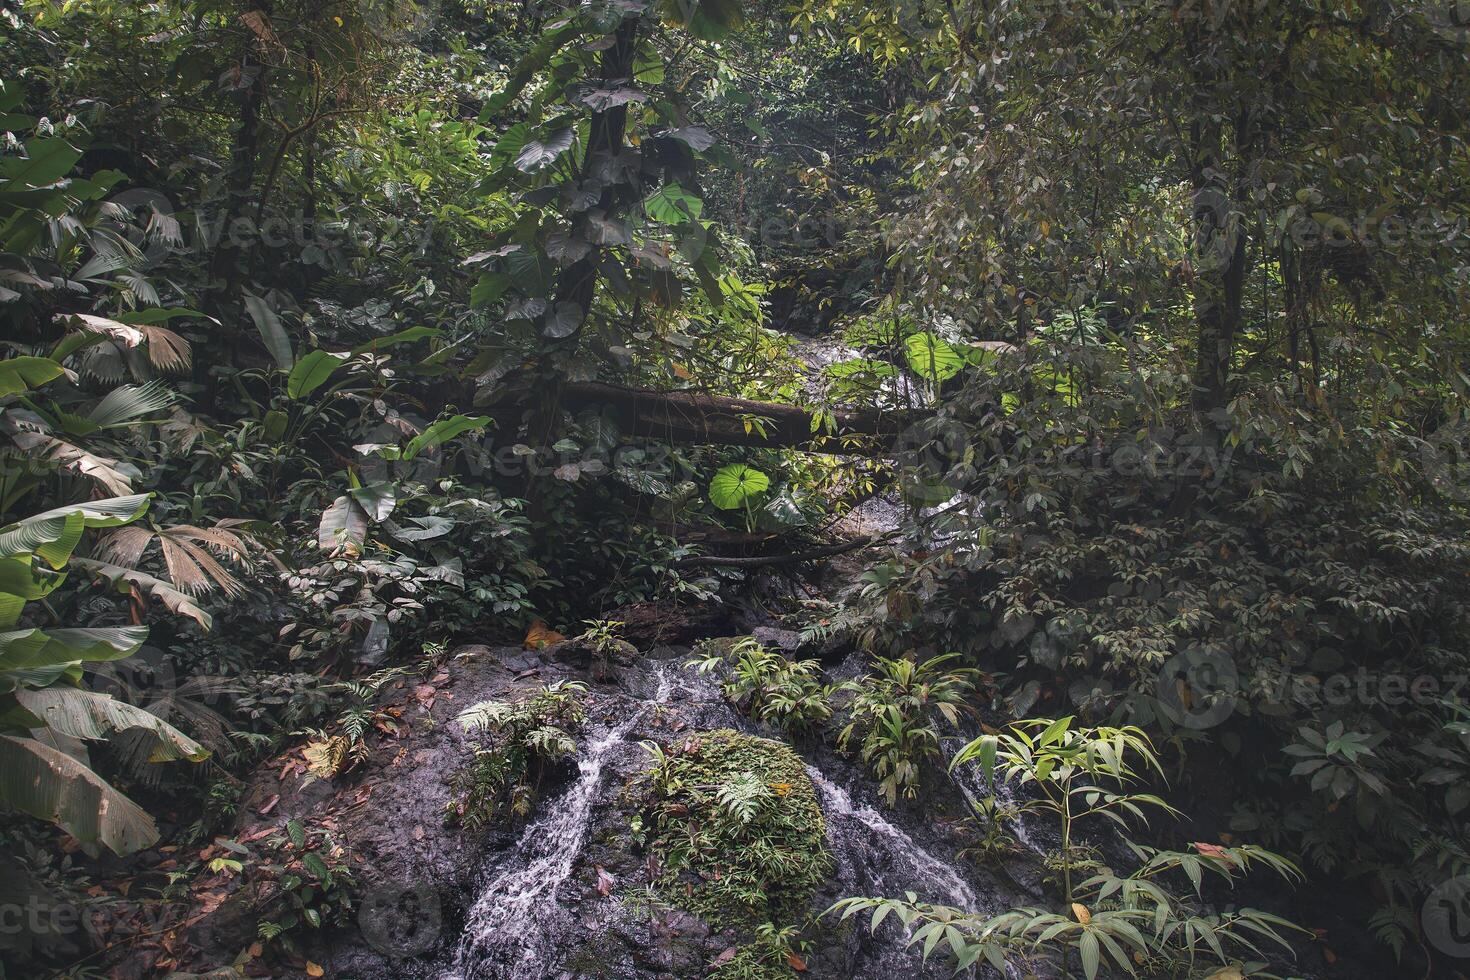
{"points": [[130, 403], [189, 554], [167, 351]]}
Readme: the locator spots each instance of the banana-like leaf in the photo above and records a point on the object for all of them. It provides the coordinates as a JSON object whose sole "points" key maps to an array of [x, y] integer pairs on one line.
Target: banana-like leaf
{"points": [[312, 371], [113, 474], [19, 374], [57, 647], [130, 403], [52, 539], [53, 534], [272, 331], [442, 431], [21, 578], [88, 715], [53, 786], [11, 607], [173, 599]]}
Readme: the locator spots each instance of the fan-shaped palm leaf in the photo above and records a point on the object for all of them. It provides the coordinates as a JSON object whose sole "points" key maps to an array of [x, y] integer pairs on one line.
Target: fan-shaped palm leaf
{"points": [[186, 549], [128, 404]]}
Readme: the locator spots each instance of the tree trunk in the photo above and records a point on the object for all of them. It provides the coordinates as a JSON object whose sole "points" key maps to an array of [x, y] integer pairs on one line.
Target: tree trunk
{"points": [[699, 419]]}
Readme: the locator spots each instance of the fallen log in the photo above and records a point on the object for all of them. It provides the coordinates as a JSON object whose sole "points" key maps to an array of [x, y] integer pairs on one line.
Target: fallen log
{"points": [[692, 417], [760, 561]]}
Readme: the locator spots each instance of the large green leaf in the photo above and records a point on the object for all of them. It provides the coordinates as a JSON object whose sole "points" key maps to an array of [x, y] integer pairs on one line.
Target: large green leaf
{"points": [[53, 534], [53, 786], [312, 371], [735, 484], [376, 499], [46, 161], [21, 577], [272, 331], [52, 539], [932, 358], [24, 649], [19, 374], [442, 431], [88, 715], [673, 205]]}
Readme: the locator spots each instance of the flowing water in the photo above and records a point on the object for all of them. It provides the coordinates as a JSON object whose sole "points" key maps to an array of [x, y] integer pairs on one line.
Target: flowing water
{"points": [[524, 917], [876, 849], [511, 926]]}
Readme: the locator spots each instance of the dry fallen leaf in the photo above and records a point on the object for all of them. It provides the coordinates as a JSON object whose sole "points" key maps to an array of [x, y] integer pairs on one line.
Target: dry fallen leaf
{"points": [[540, 635], [1080, 911], [1215, 851]]}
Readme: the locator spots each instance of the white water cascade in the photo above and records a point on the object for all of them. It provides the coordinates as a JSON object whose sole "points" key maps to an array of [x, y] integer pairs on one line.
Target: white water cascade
{"points": [[508, 930]]}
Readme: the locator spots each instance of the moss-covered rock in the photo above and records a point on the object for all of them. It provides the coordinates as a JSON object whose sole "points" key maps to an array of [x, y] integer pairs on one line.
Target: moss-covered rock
{"points": [[736, 829]]}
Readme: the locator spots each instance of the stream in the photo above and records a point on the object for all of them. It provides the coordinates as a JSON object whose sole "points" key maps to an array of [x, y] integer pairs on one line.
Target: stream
{"points": [[536, 906]]}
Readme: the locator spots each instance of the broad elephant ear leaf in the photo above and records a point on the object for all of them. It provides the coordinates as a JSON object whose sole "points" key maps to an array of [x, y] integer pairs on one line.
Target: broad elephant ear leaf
{"points": [[52, 786], [88, 715], [931, 358], [343, 527], [735, 484]]}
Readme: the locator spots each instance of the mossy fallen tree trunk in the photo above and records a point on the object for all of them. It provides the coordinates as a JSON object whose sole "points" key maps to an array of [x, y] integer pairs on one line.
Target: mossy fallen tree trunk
{"points": [[699, 419]]}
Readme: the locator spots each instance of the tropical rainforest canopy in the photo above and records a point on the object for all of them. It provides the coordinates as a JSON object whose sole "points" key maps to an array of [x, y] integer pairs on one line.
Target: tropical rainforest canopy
{"points": [[992, 434]]}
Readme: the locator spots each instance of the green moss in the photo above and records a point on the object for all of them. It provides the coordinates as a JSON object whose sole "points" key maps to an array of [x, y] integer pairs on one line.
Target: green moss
{"points": [[736, 829]]}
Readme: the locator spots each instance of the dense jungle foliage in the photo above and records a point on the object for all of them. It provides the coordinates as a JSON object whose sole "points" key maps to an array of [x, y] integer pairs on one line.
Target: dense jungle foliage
{"points": [[338, 334]]}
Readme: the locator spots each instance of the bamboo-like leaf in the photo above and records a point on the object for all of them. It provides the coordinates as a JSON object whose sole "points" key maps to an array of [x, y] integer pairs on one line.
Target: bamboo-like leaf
{"points": [[51, 785]]}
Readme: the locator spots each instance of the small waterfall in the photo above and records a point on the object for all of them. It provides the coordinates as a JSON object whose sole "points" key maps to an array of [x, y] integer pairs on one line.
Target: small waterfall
{"points": [[507, 932], [972, 784], [889, 845]]}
